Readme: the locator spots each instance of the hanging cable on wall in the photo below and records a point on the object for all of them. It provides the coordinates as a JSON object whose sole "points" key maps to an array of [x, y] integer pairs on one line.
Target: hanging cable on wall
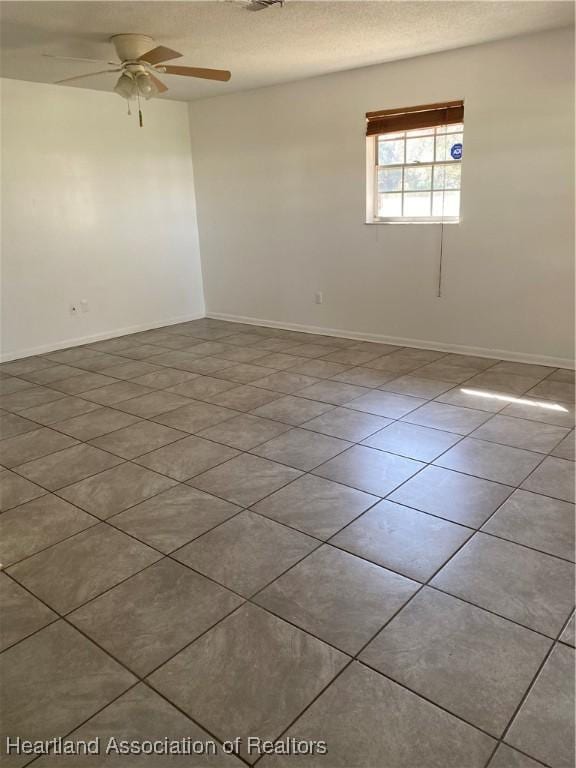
{"points": [[455, 154], [441, 257]]}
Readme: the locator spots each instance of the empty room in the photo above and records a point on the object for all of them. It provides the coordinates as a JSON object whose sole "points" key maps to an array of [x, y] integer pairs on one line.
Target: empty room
{"points": [[287, 384]]}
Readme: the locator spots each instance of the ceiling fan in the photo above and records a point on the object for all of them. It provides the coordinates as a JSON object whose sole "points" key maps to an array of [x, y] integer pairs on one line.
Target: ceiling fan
{"points": [[260, 5], [140, 63]]}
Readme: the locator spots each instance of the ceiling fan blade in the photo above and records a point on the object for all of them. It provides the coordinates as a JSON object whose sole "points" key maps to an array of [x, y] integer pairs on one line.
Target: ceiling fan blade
{"points": [[90, 74], [158, 83], [159, 54], [205, 74], [74, 58]]}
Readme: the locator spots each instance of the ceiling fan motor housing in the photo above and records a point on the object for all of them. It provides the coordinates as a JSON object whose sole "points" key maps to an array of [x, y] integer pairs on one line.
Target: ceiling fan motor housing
{"points": [[132, 47], [135, 69]]}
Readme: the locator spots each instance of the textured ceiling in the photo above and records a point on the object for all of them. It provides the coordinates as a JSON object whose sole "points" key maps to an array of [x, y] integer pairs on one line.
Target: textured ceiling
{"points": [[275, 45]]}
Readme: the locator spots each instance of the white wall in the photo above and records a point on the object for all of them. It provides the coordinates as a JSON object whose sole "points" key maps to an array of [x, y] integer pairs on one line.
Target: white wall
{"points": [[281, 194], [95, 208]]}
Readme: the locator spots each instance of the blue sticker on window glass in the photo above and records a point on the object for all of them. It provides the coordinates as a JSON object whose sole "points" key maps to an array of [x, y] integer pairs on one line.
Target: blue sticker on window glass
{"points": [[456, 151]]}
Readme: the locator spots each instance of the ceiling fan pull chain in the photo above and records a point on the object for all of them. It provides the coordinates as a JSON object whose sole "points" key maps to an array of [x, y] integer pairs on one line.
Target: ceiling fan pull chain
{"points": [[140, 120]]}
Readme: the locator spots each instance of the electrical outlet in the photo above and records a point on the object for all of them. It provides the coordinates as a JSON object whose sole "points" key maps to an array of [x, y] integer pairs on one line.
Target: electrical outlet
{"points": [[84, 306], [319, 297], [74, 309]]}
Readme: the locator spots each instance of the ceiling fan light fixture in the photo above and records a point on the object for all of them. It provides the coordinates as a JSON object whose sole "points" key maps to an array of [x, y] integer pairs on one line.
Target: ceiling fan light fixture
{"points": [[126, 87], [146, 86]]}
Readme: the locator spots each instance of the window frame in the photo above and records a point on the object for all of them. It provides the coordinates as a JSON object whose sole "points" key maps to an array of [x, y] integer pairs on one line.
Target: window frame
{"points": [[372, 168]]}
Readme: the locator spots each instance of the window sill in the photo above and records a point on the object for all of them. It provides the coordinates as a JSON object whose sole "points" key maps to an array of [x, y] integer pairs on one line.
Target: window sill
{"points": [[415, 221]]}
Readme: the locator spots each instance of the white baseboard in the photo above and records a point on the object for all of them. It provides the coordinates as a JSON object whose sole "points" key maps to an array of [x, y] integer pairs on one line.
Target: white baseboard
{"points": [[499, 354], [76, 342]]}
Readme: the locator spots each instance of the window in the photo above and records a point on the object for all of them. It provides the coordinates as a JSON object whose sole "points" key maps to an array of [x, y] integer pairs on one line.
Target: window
{"points": [[414, 159]]}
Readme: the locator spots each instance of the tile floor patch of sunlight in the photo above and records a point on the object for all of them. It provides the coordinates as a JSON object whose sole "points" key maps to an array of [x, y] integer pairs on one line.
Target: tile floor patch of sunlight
{"points": [[518, 400]]}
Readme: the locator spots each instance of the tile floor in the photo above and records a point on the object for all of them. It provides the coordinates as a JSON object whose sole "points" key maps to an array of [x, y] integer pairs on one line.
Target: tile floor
{"points": [[211, 531]]}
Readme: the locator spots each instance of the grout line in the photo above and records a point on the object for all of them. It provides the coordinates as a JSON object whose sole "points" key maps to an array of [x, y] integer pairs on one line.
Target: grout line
{"points": [[320, 541], [310, 704], [243, 597], [240, 452], [370, 640], [531, 685], [410, 599], [303, 474], [98, 711], [250, 599], [245, 600], [139, 678]]}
